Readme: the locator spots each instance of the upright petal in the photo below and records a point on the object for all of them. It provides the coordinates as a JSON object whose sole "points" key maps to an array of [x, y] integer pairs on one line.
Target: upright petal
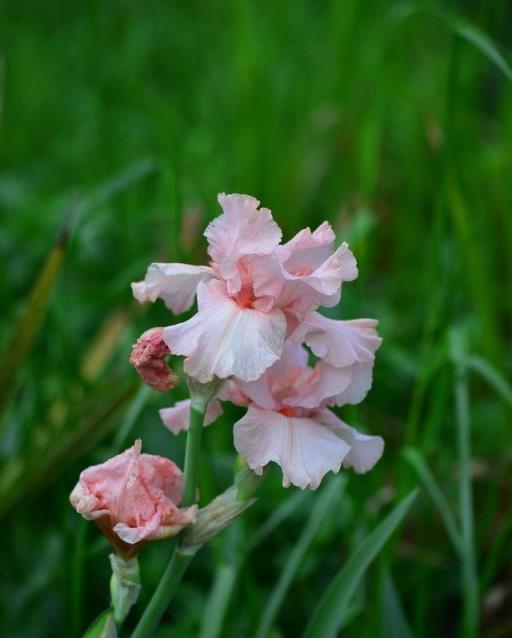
{"points": [[225, 339], [242, 229], [365, 450], [340, 343], [303, 448], [176, 284], [177, 418], [307, 250], [307, 284]]}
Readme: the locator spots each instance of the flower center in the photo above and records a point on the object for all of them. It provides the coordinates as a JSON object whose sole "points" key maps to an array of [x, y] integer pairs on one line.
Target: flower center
{"points": [[287, 410], [303, 272], [245, 297]]}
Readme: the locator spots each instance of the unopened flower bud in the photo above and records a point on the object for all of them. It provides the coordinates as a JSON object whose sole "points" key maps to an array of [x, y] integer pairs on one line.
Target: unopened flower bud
{"points": [[133, 498], [148, 359]]}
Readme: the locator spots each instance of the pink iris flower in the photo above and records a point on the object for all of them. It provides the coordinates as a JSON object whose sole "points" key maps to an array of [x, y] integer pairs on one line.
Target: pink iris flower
{"points": [[254, 293], [288, 420], [133, 497]]}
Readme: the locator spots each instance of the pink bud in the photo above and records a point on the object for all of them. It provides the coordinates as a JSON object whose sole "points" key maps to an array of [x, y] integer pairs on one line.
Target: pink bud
{"points": [[133, 498], [148, 359]]}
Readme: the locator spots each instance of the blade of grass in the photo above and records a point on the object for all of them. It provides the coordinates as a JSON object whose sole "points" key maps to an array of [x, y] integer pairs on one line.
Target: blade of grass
{"points": [[423, 472], [136, 407], [220, 595], [118, 183], [228, 570], [470, 579], [277, 517], [489, 373], [322, 507], [494, 557], [393, 620], [22, 339], [77, 582], [330, 612], [464, 29], [16, 484], [484, 44]]}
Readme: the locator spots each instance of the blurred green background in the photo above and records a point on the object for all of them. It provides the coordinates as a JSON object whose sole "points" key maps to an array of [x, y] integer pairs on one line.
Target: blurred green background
{"points": [[393, 120]]}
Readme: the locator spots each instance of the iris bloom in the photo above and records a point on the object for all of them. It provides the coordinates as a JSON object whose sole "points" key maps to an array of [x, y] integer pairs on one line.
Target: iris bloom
{"points": [[133, 497], [253, 294], [288, 420]]}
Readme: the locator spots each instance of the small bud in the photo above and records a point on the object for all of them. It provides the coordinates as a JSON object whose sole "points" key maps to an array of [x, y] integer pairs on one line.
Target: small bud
{"points": [[124, 585], [134, 498], [148, 359]]}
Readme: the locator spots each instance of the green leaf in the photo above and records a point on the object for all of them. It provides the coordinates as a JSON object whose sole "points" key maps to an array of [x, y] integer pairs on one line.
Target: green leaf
{"points": [[415, 459], [332, 608], [103, 627], [496, 380], [393, 621], [466, 509], [294, 502], [484, 44], [465, 30], [323, 506], [23, 476], [24, 334]]}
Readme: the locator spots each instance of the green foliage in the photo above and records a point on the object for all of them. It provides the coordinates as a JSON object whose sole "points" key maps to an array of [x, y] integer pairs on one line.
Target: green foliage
{"points": [[331, 611], [392, 120]]}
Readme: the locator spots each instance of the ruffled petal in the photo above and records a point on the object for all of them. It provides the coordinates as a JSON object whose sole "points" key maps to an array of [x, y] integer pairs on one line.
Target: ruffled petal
{"points": [[176, 284], [225, 339], [359, 386], [303, 288], [340, 343], [303, 448], [242, 229], [320, 384], [177, 418], [307, 250], [365, 450]]}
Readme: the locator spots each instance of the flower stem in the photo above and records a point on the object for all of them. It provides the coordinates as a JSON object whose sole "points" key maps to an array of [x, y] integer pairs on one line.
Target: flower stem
{"points": [[166, 589], [192, 454]]}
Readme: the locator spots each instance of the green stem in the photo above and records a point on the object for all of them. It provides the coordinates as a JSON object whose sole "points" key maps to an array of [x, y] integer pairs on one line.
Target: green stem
{"points": [[192, 453], [163, 595], [466, 513]]}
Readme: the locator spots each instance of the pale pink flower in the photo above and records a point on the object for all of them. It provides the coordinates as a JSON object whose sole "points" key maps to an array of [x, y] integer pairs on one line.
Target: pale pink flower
{"points": [[288, 420], [253, 294], [148, 359], [133, 497]]}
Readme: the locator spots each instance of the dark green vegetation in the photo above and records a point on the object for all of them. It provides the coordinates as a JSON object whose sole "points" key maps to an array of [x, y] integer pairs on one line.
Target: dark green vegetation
{"points": [[393, 121]]}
